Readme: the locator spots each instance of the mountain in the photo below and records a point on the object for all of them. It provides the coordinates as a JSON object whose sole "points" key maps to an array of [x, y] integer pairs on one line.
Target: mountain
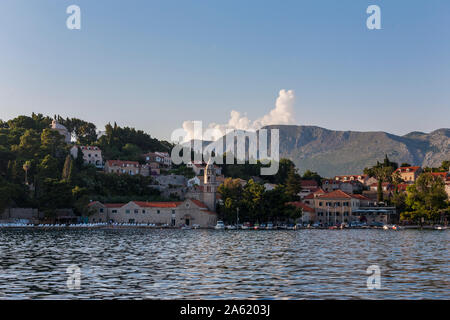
{"points": [[333, 153]]}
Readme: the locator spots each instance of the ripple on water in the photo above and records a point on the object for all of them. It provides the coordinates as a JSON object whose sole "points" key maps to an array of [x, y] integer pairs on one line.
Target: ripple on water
{"points": [[208, 264]]}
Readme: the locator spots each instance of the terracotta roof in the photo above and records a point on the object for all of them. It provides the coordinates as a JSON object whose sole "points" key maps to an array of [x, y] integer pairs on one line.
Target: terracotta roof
{"points": [[339, 194], [171, 204], [199, 203], [405, 169], [302, 205], [308, 183], [443, 175], [309, 196]]}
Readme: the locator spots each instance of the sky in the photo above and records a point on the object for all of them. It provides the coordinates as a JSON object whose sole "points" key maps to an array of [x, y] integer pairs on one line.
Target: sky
{"points": [[154, 65]]}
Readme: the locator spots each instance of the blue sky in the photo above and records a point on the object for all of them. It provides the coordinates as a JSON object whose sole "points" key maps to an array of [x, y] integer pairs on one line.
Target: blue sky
{"points": [[154, 64]]}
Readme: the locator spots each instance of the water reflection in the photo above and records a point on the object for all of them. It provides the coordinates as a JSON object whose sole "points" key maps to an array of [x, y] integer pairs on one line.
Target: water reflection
{"points": [[208, 264]]}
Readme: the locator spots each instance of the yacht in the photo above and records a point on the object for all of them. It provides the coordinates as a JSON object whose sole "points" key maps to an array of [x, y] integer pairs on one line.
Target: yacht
{"points": [[220, 225]]}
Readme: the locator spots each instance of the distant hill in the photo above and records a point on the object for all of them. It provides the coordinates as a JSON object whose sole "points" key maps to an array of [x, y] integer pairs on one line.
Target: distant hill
{"points": [[333, 153]]}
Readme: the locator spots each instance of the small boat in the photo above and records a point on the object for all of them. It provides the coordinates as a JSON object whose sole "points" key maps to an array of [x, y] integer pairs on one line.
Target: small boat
{"points": [[385, 227], [440, 227], [220, 225], [231, 227], [269, 226]]}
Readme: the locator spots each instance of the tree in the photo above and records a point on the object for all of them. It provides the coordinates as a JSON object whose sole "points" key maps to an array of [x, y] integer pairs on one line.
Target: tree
{"points": [[311, 175], [426, 198], [383, 173], [68, 169], [293, 184], [26, 167]]}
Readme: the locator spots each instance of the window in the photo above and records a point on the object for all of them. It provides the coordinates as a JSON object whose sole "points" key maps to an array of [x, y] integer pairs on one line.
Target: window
{"points": [[100, 210], [158, 211], [173, 211], [136, 211], [114, 211], [143, 210], [127, 211]]}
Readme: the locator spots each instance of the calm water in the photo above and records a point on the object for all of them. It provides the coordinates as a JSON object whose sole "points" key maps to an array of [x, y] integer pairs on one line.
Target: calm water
{"points": [[191, 264]]}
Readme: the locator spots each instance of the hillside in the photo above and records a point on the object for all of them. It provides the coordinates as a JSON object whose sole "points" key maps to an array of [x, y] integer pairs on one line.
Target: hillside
{"points": [[332, 152]]}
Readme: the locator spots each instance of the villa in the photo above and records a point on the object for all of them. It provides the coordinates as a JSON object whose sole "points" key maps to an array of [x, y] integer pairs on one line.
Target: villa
{"points": [[91, 155]]}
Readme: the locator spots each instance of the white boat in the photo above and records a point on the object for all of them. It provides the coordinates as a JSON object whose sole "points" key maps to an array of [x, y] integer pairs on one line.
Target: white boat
{"points": [[220, 225], [231, 227], [440, 228]]}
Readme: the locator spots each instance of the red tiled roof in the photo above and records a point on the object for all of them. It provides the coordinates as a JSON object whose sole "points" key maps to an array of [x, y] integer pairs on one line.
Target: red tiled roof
{"points": [[302, 205], [171, 204], [199, 203], [443, 175], [335, 194], [339, 194], [308, 183], [405, 169], [309, 196], [359, 196]]}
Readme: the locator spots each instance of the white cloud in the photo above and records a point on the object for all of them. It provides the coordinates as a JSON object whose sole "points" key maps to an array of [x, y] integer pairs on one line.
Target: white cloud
{"points": [[283, 113]]}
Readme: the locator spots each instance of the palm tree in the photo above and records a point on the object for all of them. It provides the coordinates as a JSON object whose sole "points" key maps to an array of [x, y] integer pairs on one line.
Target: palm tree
{"points": [[26, 167]]}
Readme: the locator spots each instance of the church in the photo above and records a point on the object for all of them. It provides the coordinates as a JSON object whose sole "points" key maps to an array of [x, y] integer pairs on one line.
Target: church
{"points": [[206, 191], [198, 209]]}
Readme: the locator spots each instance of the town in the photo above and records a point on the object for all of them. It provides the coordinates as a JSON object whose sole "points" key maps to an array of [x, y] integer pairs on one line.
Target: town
{"points": [[125, 178]]}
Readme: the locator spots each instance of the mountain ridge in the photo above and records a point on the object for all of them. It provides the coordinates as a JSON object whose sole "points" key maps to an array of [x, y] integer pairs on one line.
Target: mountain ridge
{"points": [[336, 152]]}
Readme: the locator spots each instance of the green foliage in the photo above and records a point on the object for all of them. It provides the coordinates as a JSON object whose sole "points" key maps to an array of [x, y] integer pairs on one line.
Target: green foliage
{"points": [[31, 152], [312, 175], [293, 184], [120, 143], [426, 199], [183, 170], [255, 204], [84, 132]]}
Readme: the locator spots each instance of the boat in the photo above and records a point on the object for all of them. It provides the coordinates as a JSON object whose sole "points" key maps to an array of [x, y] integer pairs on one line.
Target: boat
{"points": [[269, 226], [231, 227], [440, 227], [220, 225]]}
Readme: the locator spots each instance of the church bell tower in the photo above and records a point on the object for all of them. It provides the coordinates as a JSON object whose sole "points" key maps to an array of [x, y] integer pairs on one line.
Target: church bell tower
{"points": [[209, 186]]}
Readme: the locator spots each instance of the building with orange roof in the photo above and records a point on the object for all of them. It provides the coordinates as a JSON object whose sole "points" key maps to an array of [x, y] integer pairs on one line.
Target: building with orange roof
{"points": [[308, 213], [409, 174], [172, 213], [340, 207]]}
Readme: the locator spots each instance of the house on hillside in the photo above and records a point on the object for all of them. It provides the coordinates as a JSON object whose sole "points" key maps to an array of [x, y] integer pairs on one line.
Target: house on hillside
{"points": [[126, 167], [409, 174], [90, 154]]}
